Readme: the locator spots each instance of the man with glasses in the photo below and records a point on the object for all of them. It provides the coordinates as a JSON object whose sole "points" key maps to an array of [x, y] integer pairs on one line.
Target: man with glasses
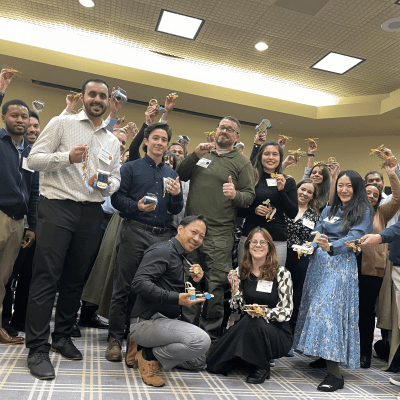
{"points": [[221, 181]]}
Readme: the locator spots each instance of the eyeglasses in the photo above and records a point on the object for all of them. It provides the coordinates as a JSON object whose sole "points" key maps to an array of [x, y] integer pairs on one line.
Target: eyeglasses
{"points": [[226, 128], [262, 243]]}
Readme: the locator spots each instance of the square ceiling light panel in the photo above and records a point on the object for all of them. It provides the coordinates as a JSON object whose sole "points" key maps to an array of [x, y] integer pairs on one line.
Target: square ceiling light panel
{"points": [[337, 63], [179, 24]]}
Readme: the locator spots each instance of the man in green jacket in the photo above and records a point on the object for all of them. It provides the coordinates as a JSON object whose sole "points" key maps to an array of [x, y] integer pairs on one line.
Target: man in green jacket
{"points": [[221, 181]]}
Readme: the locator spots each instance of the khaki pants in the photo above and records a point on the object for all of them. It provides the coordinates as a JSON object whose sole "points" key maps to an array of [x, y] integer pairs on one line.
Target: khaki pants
{"points": [[396, 285], [11, 235]]}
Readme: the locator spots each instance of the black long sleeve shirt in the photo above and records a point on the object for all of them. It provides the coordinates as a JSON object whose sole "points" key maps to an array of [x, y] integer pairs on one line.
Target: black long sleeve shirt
{"points": [[159, 280], [285, 202]]}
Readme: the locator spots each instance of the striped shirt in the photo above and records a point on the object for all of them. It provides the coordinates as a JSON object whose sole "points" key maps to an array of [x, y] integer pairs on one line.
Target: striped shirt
{"points": [[63, 180]]}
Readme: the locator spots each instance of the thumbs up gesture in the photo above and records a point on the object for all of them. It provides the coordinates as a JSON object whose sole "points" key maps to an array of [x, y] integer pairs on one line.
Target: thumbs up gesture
{"points": [[229, 189]]}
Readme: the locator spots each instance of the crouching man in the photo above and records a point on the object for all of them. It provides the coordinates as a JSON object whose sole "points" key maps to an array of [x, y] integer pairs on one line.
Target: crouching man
{"points": [[157, 336]]}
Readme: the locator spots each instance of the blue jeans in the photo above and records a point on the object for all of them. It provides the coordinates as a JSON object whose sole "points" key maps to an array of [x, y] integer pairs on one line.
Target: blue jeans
{"points": [[174, 342]]}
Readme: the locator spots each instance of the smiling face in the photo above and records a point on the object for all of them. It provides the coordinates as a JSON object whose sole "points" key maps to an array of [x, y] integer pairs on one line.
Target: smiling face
{"points": [[226, 134], [316, 175], [344, 189], [157, 143], [178, 151], [33, 130], [305, 193], [375, 178], [95, 99], [258, 246], [270, 159], [373, 194], [192, 235]]}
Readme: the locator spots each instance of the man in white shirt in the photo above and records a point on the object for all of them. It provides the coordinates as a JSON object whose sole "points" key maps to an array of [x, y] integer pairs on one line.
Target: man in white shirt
{"points": [[71, 151]]}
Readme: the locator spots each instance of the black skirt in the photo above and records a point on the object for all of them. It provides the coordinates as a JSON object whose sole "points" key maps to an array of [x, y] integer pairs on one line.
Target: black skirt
{"points": [[251, 340]]}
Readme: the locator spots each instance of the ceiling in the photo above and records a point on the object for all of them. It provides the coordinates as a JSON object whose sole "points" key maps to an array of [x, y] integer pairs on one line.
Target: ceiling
{"points": [[299, 33]]}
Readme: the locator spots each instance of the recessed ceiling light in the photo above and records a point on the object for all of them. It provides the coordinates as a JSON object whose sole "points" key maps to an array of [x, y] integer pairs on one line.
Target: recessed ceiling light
{"points": [[261, 46], [179, 24], [391, 25], [337, 63], [86, 3]]}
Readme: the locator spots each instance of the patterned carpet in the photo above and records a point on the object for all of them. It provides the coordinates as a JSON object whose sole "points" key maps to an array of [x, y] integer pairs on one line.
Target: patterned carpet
{"points": [[96, 378]]}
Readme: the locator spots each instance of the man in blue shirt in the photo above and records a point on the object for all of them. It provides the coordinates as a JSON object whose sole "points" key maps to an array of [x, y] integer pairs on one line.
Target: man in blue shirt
{"points": [[19, 193], [145, 223]]}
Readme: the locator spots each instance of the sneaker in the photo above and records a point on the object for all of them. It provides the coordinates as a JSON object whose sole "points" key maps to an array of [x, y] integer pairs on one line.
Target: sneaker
{"points": [[395, 381], [66, 348], [40, 366], [149, 371], [114, 350], [331, 383]]}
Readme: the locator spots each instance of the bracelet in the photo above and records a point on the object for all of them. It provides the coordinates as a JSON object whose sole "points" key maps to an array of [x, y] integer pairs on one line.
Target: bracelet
{"points": [[256, 145], [311, 155]]}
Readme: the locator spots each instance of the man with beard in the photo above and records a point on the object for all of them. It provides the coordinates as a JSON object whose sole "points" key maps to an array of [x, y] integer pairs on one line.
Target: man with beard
{"points": [[19, 192], [33, 130], [221, 181], [71, 151]]}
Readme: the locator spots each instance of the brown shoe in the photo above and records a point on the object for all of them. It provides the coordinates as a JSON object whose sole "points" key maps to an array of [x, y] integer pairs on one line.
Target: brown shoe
{"points": [[149, 371], [7, 339], [131, 352], [113, 352]]}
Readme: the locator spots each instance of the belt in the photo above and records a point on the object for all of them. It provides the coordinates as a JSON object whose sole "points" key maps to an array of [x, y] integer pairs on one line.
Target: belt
{"points": [[153, 229]]}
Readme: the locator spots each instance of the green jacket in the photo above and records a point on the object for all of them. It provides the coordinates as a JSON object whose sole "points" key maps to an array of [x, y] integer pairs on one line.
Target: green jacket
{"points": [[205, 193]]}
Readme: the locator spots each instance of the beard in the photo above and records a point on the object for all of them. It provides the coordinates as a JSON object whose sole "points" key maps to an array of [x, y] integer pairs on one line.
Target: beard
{"points": [[88, 105], [223, 141], [12, 131]]}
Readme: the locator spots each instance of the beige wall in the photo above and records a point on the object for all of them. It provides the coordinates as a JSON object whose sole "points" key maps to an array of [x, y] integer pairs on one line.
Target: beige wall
{"points": [[351, 152]]}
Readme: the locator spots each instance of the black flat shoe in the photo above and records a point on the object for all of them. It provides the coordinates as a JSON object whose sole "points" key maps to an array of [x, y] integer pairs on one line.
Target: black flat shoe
{"points": [[258, 376], [66, 348], [93, 321], [365, 362], [331, 384], [320, 363], [40, 366]]}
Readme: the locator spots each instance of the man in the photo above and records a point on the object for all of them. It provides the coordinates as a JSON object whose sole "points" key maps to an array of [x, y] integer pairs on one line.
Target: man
{"points": [[33, 130], [70, 151], [149, 191], [159, 284], [120, 134], [19, 191], [220, 182], [177, 149], [125, 157]]}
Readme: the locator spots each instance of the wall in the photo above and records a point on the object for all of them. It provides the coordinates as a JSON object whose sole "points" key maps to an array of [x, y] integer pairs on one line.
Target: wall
{"points": [[351, 152]]}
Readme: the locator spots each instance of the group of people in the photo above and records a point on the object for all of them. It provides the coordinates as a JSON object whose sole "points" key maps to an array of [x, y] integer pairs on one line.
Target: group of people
{"points": [[150, 243]]}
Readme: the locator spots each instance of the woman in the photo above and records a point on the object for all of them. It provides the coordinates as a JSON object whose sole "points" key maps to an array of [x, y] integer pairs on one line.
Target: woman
{"points": [[281, 192], [327, 325], [372, 262], [299, 230], [263, 334]]}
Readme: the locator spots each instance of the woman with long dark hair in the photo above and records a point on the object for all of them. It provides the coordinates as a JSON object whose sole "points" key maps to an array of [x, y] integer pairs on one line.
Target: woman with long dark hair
{"points": [[261, 334], [327, 325], [273, 189]]}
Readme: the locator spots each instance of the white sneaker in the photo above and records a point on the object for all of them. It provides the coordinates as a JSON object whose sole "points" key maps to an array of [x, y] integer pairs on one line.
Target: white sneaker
{"points": [[395, 381]]}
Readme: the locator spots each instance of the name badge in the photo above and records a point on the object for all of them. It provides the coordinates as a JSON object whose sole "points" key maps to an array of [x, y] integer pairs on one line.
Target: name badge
{"points": [[309, 224], [25, 165], [203, 162], [271, 182], [264, 286], [332, 220], [105, 156]]}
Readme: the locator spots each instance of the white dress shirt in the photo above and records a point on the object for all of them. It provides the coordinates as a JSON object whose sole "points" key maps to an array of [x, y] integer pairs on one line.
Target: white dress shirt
{"points": [[63, 180]]}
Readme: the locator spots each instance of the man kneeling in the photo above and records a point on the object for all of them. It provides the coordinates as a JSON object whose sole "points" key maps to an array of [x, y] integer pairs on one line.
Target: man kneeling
{"points": [[157, 336]]}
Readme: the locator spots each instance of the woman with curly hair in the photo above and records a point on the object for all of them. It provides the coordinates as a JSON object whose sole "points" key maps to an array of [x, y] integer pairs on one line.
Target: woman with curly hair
{"points": [[263, 332]]}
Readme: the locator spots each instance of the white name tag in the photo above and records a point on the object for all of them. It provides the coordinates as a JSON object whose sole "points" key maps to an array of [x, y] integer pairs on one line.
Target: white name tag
{"points": [[264, 286], [203, 162], [332, 220], [271, 182], [25, 165], [309, 224], [105, 156]]}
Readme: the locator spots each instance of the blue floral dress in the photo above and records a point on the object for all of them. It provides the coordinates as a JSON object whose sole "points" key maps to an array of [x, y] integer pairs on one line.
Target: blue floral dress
{"points": [[327, 325]]}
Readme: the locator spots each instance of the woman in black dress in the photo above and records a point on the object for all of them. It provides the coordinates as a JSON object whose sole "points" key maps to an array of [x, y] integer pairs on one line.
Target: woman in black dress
{"points": [[263, 334]]}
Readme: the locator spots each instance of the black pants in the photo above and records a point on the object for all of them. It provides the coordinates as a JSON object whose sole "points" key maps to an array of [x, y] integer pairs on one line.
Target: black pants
{"points": [[132, 243], [68, 235], [369, 287]]}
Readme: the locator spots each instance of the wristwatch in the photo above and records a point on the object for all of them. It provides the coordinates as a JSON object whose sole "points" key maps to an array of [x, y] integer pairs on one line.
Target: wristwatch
{"points": [[330, 250], [311, 154]]}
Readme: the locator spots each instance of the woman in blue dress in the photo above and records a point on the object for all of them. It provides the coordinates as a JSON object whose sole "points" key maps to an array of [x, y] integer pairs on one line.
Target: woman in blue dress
{"points": [[327, 325]]}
